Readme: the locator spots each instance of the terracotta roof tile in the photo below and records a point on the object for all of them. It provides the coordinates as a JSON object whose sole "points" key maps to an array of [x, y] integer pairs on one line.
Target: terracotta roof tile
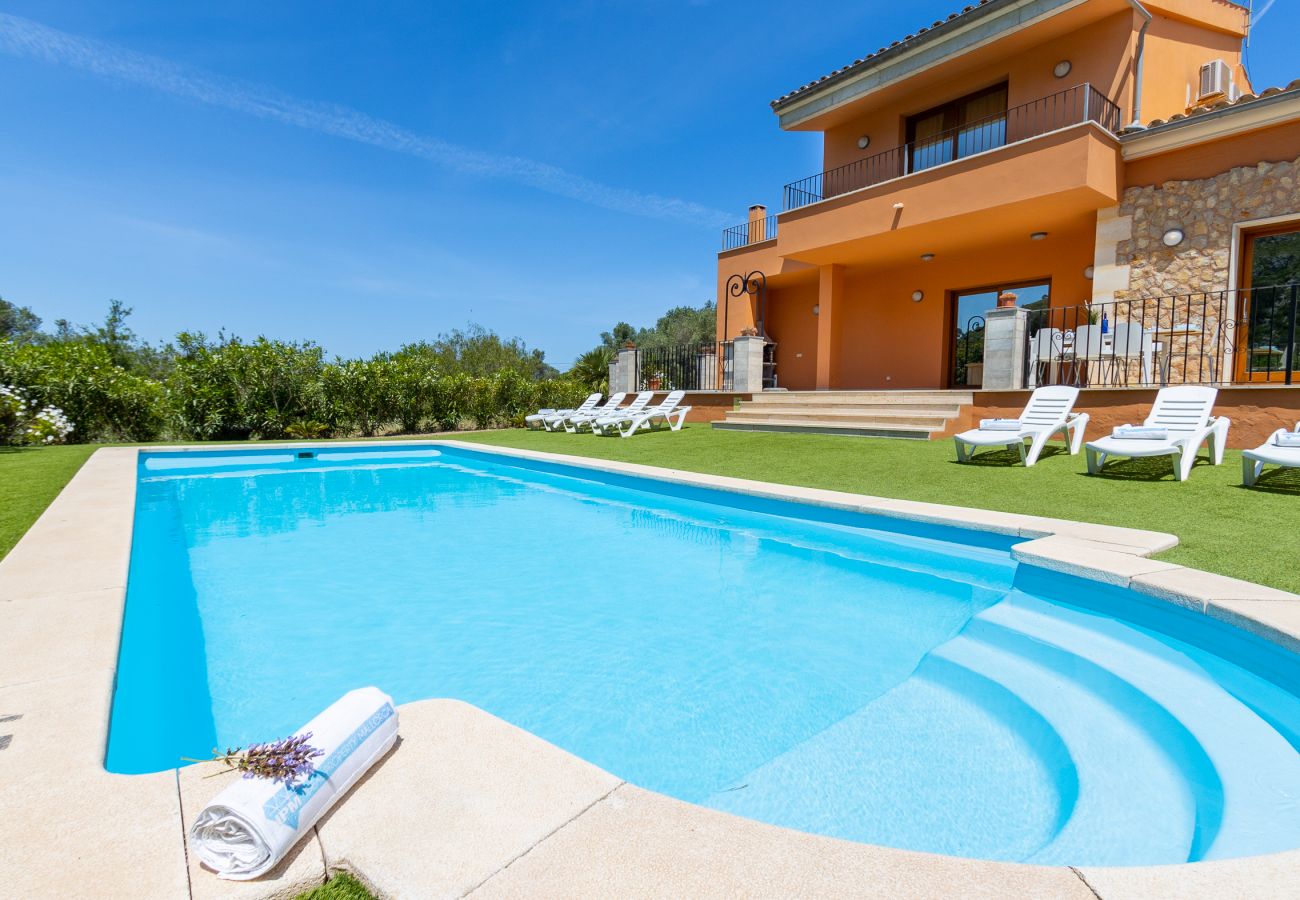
{"points": [[1244, 100]]}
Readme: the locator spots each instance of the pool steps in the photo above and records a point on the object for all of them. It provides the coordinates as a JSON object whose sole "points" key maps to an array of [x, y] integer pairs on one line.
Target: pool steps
{"points": [[1050, 674]]}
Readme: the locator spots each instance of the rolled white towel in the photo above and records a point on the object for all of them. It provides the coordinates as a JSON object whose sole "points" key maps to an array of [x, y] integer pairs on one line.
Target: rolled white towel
{"points": [[1000, 425], [1140, 433], [1288, 439], [254, 822]]}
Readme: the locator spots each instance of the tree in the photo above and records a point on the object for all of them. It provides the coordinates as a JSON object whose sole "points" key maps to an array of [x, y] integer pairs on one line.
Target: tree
{"points": [[18, 323], [478, 351], [591, 369], [680, 326]]}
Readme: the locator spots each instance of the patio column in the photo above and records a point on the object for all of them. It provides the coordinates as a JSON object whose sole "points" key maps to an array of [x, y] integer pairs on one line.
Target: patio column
{"points": [[830, 287], [1004, 348]]}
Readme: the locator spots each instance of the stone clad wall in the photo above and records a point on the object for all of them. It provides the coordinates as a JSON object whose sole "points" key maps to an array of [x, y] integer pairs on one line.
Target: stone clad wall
{"points": [[1206, 210]]}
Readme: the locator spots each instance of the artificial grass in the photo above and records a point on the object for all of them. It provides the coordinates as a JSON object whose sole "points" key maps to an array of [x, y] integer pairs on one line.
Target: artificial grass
{"points": [[341, 887], [30, 477], [1221, 526]]}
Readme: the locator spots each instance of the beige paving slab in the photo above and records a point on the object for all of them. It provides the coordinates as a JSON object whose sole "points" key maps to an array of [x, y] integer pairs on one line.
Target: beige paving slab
{"points": [[1274, 620], [1251, 878], [301, 869], [1196, 589], [636, 843], [62, 634], [55, 725], [461, 795], [67, 832], [1087, 559]]}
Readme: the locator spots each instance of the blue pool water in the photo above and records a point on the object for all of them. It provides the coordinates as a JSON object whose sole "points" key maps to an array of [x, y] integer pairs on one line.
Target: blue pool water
{"points": [[854, 676]]}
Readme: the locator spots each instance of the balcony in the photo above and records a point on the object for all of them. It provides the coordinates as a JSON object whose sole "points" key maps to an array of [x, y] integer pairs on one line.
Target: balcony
{"points": [[754, 231], [1075, 106]]}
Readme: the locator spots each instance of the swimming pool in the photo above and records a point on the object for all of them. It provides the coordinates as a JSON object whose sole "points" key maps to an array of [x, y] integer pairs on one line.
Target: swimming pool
{"points": [[844, 674]]}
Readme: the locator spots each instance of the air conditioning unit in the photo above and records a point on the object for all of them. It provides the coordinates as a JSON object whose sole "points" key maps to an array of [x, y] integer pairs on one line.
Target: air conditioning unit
{"points": [[1216, 80]]}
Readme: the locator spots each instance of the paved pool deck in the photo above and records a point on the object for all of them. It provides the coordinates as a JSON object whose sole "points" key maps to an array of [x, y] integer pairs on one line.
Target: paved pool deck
{"points": [[466, 804]]}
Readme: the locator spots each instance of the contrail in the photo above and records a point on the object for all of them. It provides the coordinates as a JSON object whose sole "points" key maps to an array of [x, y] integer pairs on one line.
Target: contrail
{"points": [[25, 38], [1254, 19]]}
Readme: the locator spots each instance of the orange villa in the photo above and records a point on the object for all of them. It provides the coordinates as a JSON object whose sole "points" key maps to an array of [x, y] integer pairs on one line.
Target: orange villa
{"points": [[1105, 167]]}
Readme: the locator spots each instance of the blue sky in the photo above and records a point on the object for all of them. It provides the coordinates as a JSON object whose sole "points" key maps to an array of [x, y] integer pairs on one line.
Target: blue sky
{"points": [[364, 175]]}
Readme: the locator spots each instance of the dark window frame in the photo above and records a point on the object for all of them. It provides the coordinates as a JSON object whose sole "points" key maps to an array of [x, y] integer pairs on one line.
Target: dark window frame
{"points": [[951, 111]]}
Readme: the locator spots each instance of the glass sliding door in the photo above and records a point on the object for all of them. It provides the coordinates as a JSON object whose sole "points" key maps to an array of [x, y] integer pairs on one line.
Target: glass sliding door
{"points": [[1270, 294], [966, 333], [969, 125]]}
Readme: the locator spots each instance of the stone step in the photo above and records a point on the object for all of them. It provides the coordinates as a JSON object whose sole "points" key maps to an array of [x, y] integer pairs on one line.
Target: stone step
{"points": [[858, 409]]}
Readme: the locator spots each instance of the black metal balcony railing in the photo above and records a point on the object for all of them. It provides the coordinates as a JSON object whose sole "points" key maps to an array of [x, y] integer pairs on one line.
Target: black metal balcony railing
{"points": [[1218, 337], [751, 232], [685, 367], [1081, 103]]}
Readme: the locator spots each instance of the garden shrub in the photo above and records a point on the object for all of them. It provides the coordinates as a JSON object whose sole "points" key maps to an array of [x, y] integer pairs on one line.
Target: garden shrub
{"points": [[102, 400]]}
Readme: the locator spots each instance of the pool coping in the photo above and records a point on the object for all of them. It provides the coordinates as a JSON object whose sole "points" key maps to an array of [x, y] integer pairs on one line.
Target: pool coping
{"points": [[467, 803]]}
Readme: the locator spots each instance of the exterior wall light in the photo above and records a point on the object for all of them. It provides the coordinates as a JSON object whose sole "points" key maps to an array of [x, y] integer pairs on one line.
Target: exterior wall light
{"points": [[1038, 235], [864, 142], [898, 205], [1087, 272], [817, 309], [926, 257], [1173, 237], [918, 296], [1061, 69]]}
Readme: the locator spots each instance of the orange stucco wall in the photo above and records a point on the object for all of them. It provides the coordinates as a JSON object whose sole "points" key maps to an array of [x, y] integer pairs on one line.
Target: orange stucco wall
{"points": [[1099, 54], [1281, 143], [791, 323], [1175, 52]]}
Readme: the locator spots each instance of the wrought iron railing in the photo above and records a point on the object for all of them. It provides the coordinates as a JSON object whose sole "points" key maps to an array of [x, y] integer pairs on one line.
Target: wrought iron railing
{"points": [[1081, 103], [686, 367], [752, 232], [1217, 337], [968, 356]]}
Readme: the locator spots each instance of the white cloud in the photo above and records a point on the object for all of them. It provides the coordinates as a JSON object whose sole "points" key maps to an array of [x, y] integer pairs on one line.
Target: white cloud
{"points": [[25, 38]]}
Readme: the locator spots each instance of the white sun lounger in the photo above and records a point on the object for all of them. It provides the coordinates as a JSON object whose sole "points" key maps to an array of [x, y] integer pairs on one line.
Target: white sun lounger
{"points": [[1050, 410], [667, 411], [1184, 414], [602, 424], [574, 423], [553, 420], [1269, 454]]}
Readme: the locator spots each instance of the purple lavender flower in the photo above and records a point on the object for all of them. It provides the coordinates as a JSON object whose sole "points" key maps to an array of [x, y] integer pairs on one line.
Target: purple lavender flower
{"points": [[287, 760]]}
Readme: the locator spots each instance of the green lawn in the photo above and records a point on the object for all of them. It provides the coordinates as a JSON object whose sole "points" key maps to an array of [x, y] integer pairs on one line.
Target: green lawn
{"points": [[1221, 526], [341, 887]]}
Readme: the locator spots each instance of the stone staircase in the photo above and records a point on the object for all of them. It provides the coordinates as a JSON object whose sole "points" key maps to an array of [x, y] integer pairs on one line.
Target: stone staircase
{"points": [[895, 414]]}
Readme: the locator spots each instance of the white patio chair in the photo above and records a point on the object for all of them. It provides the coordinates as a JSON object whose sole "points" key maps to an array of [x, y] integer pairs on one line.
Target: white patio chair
{"points": [[1179, 423], [1050, 410], [555, 420], [1048, 347], [1269, 453], [666, 410], [1130, 341], [576, 422], [603, 423]]}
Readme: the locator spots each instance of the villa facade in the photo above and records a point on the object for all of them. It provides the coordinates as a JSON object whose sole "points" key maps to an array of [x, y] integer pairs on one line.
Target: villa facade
{"points": [[1097, 159]]}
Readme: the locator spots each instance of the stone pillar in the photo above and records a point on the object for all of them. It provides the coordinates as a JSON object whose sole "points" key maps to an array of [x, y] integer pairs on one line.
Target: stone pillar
{"points": [[707, 374], [748, 364], [623, 373], [1004, 348], [830, 287]]}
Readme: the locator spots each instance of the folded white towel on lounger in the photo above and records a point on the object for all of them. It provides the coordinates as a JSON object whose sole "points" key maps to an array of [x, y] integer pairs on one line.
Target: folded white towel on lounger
{"points": [[1140, 433], [1288, 439], [254, 822], [1000, 425]]}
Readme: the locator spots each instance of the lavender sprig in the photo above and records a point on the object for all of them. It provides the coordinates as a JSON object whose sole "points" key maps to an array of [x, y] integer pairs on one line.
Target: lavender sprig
{"points": [[287, 760]]}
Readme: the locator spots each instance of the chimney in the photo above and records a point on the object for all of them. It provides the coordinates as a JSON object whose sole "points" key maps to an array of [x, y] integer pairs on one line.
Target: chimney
{"points": [[757, 225]]}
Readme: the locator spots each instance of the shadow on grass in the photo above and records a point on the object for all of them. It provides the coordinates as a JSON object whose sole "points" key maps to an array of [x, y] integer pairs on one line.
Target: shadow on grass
{"points": [[1003, 459], [1145, 468], [1277, 481]]}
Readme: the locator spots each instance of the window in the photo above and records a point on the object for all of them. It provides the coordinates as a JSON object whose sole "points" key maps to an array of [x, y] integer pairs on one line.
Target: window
{"points": [[969, 125]]}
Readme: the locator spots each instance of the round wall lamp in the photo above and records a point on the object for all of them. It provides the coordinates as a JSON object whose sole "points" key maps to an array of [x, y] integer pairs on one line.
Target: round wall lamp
{"points": [[926, 257], [1038, 235], [817, 309], [918, 296], [1087, 272], [864, 142], [1061, 69], [1172, 237]]}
